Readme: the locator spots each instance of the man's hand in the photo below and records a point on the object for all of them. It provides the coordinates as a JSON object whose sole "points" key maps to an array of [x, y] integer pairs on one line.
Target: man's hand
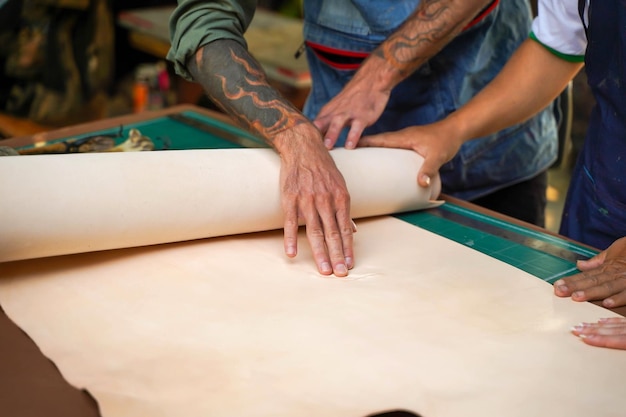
{"points": [[426, 31], [437, 143], [358, 106], [314, 190], [603, 277]]}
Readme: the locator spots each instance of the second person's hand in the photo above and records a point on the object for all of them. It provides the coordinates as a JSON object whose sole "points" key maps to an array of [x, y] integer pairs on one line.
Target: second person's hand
{"points": [[607, 332], [602, 277], [437, 143]]}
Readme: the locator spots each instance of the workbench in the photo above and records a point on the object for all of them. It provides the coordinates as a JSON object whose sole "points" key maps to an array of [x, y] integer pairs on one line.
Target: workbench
{"points": [[31, 385]]}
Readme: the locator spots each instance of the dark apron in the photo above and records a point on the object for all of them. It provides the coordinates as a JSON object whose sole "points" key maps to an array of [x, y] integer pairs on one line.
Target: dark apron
{"points": [[595, 209]]}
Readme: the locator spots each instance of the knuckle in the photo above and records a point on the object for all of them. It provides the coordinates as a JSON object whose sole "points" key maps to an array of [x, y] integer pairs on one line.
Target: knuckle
{"points": [[334, 236], [346, 231], [342, 201], [594, 280], [316, 235]]}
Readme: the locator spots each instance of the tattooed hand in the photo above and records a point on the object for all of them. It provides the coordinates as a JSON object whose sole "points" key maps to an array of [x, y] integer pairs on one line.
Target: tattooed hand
{"points": [[312, 188], [361, 102]]}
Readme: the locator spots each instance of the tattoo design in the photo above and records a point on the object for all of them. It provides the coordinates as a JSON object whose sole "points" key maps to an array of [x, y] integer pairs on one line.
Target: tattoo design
{"points": [[236, 82], [424, 33]]}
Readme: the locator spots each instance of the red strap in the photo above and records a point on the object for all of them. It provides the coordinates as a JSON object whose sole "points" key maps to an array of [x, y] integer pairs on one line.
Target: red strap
{"points": [[322, 50], [484, 13], [336, 51]]}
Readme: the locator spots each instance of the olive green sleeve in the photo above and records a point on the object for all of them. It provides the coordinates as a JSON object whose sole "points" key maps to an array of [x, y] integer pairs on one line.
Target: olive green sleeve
{"points": [[195, 23]]}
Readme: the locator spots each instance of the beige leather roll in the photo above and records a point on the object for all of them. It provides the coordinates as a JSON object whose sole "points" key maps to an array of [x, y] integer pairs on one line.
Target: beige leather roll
{"points": [[63, 204]]}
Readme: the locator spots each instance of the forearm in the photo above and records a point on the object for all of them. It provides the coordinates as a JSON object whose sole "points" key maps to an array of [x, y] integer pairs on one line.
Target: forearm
{"points": [[235, 82], [313, 191], [530, 80], [428, 30]]}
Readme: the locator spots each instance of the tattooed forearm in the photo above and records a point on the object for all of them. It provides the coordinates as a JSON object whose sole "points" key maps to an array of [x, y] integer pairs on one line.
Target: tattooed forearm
{"points": [[426, 32], [236, 82]]}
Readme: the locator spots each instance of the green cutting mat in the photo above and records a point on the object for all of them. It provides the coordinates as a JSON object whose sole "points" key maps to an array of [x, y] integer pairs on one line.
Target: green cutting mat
{"points": [[167, 133], [524, 255], [522, 247]]}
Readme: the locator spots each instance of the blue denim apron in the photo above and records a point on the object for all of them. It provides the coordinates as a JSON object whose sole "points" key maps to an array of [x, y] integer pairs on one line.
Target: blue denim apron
{"points": [[595, 209], [355, 28]]}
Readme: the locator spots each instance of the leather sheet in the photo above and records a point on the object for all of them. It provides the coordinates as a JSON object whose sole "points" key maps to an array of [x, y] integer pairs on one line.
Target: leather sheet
{"points": [[229, 326]]}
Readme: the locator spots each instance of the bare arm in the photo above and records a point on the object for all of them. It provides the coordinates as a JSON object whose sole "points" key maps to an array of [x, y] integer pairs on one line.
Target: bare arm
{"points": [[431, 27], [312, 188], [530, 80]]}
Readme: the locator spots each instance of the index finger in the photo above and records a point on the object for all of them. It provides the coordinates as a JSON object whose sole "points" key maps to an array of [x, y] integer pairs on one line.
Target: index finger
{"points": [[290, 240], [591, 285], [333, 130], [385, 140], [326, 237]]}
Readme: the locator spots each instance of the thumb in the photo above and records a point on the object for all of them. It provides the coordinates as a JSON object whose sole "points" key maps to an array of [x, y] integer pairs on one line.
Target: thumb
{"points": [[591, 263], [376, 141], [427, 172]]}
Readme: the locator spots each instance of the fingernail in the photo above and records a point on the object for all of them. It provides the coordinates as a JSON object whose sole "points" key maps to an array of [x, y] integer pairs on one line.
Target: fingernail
{"points": [[350, 144], [609, 302], [578, 294], [426, 179], [354, 228], [341, 270], [562, 288], [291, 251], [559, 283], [582, 336], [326, 268], [327, 143], [578, 328], [349, 262]]}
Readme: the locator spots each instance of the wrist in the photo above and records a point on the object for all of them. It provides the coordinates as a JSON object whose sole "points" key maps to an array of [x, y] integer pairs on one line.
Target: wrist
{"points": [[377, 75], [297, 138], [457, 128]]}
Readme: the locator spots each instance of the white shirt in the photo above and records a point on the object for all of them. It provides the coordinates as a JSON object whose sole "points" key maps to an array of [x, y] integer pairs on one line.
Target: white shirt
{"points": [[558, 27]]}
